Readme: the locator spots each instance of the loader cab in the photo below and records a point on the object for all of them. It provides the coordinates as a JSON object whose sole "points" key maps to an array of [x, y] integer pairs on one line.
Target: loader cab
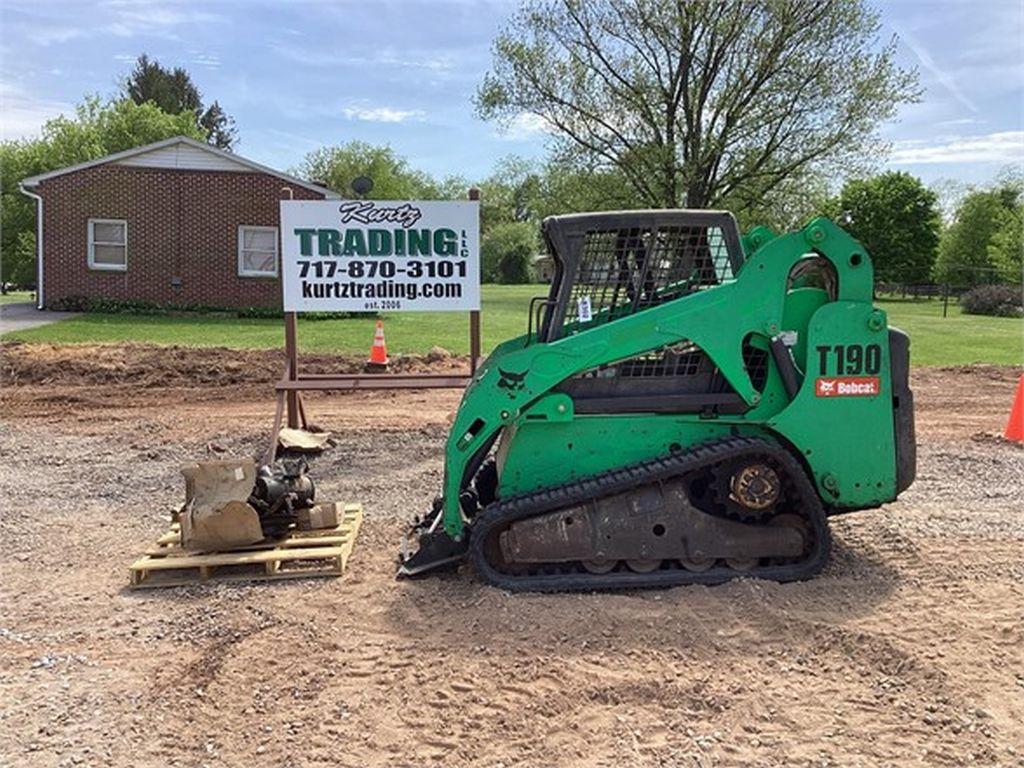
{"points": [[608, 265], [611, 265]]}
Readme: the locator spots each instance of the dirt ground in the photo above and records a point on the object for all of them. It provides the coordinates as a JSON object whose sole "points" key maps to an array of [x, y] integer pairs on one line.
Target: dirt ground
{"points": [[908, 650]]}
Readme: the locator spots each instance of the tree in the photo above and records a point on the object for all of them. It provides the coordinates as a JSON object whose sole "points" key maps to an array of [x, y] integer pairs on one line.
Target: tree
{"points": [[523, 190], [18, 159], [220, 127], [97, 129], [510, 193], [976, 234], [572, 183], [507, 251], [700, 102], [1006, 248], [173, 91], [393, 178], [897, 219]]}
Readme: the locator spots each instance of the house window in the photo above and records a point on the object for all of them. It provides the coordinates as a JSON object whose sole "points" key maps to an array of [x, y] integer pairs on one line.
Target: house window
{"points": [[257, 251], [108, 244]]}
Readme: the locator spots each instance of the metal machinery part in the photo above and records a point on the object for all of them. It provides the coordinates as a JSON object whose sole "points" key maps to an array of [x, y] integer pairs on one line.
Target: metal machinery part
{"points": [[746, 490], [642, 526], [639, 526], [687, 406], [756, 486], [281, 489]]}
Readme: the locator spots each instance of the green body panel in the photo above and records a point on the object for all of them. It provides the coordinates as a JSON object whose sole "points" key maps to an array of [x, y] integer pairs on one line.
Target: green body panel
{"points": [[801, 303], [841, 437], [851, 439], [542, 454], [847, 442]]}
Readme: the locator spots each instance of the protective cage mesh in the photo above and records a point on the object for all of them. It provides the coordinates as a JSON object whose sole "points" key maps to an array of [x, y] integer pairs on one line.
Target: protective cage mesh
{"points": [[622, 271], [682, 359], [756, 362]]}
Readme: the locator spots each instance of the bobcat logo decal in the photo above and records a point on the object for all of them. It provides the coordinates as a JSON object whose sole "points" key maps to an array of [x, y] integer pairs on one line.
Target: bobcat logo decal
{"points": [[513, 382], [848, 386]]}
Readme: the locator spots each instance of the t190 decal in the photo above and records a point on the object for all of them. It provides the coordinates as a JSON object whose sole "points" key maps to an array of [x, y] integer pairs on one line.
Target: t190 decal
{"points": [[849, 359]]}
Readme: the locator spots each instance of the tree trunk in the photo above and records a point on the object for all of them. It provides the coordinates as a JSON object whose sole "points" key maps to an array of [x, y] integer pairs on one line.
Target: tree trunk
{"points": [[696, 196]]}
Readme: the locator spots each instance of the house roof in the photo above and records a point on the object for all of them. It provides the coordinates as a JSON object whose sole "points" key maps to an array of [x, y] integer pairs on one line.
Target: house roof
{"points": [[227, 159]]}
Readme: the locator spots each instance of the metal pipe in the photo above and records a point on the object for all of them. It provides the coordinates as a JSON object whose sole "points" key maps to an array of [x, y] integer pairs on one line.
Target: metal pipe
{"points": [[311, 383], [291, 350], [474, 314], [39, 243]]}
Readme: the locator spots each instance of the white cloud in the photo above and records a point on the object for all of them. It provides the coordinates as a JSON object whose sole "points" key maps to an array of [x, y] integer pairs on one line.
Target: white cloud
{"points": [[988, 45], [131, 18], [440, 63], [525, 126], [205, 60], [1001, 147], [22, 116], [383, 114], [963, 121], [384, 57], [46, 35], [945, 78]]}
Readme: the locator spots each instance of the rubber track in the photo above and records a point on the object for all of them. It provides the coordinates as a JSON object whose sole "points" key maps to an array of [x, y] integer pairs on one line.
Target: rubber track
{"points": [[506, 512]]}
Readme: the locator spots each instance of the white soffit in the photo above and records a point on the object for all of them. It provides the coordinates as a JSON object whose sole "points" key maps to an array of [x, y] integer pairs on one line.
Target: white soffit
{"points": [[185, 157], [181, 153]]}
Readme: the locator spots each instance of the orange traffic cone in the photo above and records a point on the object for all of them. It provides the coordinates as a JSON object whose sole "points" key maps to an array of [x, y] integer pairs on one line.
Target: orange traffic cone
{"points": [[1015, 426], [379, 350]]}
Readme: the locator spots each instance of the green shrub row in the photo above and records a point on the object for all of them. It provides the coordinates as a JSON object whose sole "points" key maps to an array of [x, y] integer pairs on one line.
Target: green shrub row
{"points": [[133, 307], [994, 300]]}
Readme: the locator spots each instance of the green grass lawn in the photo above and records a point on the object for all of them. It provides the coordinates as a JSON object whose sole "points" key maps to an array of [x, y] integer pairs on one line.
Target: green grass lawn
{"points": [[504, 316], [954, 340], [958, 339], [16, 297]]}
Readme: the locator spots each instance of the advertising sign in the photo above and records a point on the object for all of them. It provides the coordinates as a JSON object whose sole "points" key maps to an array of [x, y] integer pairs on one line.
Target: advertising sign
{"points": [[380, 255]]}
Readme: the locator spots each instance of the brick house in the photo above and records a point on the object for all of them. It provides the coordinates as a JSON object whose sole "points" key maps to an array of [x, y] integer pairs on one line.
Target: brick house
{"points": [[176, 223]]}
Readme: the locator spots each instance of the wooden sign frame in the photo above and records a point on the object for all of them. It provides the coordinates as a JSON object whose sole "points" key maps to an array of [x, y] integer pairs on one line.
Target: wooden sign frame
{"points": [[294, 382]]}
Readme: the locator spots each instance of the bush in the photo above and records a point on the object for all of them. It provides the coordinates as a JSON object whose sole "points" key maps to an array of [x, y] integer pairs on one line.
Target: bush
{"points": [[506, 253], [133, 307], [993, 300], [117, 306], [71, 304]]}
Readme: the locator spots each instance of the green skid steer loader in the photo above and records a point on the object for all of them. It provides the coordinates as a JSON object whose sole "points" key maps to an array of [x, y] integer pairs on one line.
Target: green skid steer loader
{"points": [[687, 406]]}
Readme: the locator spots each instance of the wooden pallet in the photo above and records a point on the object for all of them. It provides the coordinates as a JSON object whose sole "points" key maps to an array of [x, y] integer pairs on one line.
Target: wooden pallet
{"points": [[301, 554]]}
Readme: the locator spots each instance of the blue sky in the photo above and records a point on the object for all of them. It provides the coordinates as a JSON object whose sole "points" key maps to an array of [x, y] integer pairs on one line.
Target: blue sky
{"points": [[299, 75]]}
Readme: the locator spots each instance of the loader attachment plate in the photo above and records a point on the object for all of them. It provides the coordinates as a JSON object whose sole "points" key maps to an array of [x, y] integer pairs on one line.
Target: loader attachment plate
{"points": [[436, 551], [216, 514]]}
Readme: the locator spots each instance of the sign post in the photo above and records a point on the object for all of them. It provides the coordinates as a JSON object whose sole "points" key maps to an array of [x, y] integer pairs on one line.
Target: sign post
{"points": [[377, 256]]}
